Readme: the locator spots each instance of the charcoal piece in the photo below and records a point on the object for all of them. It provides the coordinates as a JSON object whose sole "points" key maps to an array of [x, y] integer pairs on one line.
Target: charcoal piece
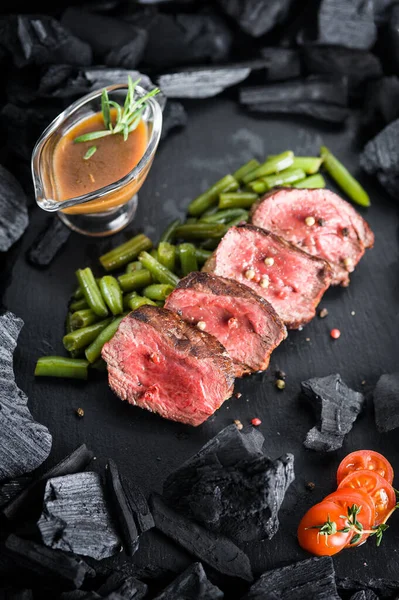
{"points": [[24, 443], [358, 66], [328, 113], [13, 210], [62, 81], [257, 17], [130, 507], [389, 41], [192, 584], [380, 157], [312, 578], [80, 595], [331, 90], [381, 587], [212, 549], [32, 495], [64, 570], [15, 594], [40, 40], [381, 105], [350, 24], [282, 63], [48, 243], [364, 595], [76, 522], [205, 82], [235, 493], [12, 488], [129, 588], [337, 408], [174, 115], [386, 402]]}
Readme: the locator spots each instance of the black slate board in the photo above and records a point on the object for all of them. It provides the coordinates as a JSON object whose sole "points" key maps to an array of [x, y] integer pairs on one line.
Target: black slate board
{"points": [[219, 137]]}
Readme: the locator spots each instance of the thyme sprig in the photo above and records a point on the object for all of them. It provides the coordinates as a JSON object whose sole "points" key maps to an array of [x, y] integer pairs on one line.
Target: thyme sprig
{"points": [[127, 116]]}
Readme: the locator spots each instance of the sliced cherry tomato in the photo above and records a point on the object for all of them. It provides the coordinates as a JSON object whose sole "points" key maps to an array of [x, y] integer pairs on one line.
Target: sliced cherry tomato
{"points": [[315, 525], [376, 486], [365, 459], [346, 498]]}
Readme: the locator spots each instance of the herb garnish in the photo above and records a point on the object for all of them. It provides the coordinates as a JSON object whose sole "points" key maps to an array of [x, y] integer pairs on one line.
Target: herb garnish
{"points": [[127, 116]]}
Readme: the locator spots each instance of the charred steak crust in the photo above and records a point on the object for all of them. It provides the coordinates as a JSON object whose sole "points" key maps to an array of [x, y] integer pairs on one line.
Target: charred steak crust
{"points": [[269, 336], [353, 227]]}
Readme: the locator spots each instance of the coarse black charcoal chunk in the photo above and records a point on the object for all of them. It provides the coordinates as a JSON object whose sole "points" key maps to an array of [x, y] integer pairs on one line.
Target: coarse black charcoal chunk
{"points": [[192, 584], [381, 105], [205, 82], [62, 81], [32, 495], [257, 17], [381, 587], [364, 595], [129, 588], [358, 66], [337, 408], [78, 522], [13, 210], [313, 579], [40, 40], [231, 490], [183, 39], [386, 402], [15, 594], [380, 157], [321, 111], [212, 549], [332, 90], [24, 443], [80, 595], [388, 40], [48, 243], [10, 489], [174, 115], [350, 24], [56, 567], [283, 63]]}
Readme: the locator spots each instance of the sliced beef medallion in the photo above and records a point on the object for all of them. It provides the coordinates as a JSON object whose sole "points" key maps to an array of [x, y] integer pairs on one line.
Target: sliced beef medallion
{"points": [[319, 222], [159, 362], [292, 281], [247, 326]]}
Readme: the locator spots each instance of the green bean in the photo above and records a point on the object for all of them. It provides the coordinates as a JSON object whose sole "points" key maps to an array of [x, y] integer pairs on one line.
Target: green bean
{"points": [[199, 231], [309, 164], [210, 243], [343, 178], [133, 266], [158, 291], [138, 301], [210, 211], [208, 198], [135, 280], [287, 176], [80, 338], [191, 220], [314, 181], [259, 186], [245, 169], [271, 165], [77, 353], [127, 298], [154, 253], [93, 352], [83, 318], [202, 255], [91, 291], [167, 255], [60, 366], [241, 219], [159, 272], [112, 294], [78, 293], [121, 255], [188, 258], [224, 216], [169, 233], [237, 200], [78, 305], [68, 323]]}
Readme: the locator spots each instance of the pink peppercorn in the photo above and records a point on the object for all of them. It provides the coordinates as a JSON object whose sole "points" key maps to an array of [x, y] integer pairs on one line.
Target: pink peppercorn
{"points": [[335, 333], [256, 422]]}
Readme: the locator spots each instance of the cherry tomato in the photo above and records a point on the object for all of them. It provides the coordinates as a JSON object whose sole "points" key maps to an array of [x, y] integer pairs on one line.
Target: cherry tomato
{"points": [[365, 459], [376, 486], [346, 498], [314, 540]]}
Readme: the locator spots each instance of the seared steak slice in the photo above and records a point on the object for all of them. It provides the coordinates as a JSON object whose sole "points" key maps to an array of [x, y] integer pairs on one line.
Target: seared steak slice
{"points": [[247, 326], [159, 362], [292, 281], [319, 222]]}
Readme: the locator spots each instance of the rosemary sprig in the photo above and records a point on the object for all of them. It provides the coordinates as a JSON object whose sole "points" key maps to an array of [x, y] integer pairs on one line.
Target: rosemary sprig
{"points": [[90, 152], [127, 116]]}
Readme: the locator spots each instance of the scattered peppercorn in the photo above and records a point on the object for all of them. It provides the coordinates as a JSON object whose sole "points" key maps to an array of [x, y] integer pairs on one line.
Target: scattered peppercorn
{"points": [[201, 325], [310, 486], [249, 274], [80, 412], [280, 384], [238, 424], [238, 394], [280, 374], [321, 222], [269, 261], [323, 313], [345, 231], [264, 282], [256, 422], [310, 221], [335, 333]]}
